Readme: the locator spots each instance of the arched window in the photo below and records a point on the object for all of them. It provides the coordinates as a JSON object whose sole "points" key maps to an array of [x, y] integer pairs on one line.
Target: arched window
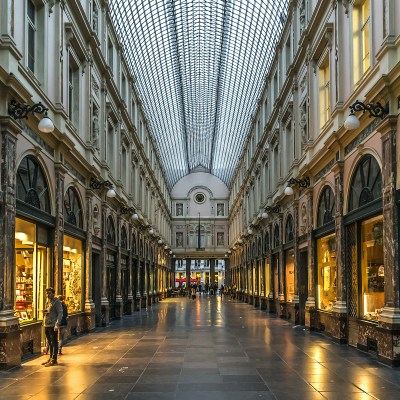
{"points": [[110, 230], [276, 236], [366, 185], [32, 187], [289, 229], [124, 238], [73, 208], [326, 207]]}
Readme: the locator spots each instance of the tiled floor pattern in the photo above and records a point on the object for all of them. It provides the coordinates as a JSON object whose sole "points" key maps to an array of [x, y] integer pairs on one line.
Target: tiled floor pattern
{"points": [[207, 349]]}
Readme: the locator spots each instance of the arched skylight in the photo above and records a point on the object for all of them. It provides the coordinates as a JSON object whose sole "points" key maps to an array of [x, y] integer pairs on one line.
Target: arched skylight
{"points": [[199, 67]]}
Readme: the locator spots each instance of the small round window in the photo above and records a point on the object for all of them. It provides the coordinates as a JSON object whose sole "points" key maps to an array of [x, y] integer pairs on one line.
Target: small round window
{"points": [[199, 198]]}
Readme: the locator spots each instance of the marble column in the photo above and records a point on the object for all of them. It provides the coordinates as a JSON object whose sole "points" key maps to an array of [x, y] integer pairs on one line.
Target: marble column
{"points": [[390, 317], [59, 228], [339, 310], [105, 307], [10, 343], [90, 311], [119, 304], [310, 303], [188, 262], [212, 272]]}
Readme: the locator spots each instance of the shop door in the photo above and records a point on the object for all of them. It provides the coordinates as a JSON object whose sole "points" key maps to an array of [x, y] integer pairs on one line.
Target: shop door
{"points": [[111, 289], [125, 288], [352, 283], [96, 287], [303, 285]]}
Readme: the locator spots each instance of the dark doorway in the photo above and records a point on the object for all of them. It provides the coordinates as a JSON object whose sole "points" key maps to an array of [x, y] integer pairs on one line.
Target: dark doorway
{"points": [[96, 287], [303, 285]]}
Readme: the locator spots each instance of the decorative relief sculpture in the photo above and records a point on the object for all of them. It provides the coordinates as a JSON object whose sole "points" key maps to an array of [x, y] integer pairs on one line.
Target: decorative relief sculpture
{"points": [[303, 126], [302, 16]]}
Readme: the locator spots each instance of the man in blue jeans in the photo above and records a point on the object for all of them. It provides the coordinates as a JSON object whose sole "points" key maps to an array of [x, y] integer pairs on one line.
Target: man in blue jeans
{"points": [[53, 314]]}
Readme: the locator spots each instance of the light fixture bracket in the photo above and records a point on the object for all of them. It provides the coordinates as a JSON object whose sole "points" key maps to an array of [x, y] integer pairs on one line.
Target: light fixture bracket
{"points": [[274, 209], [304, 182], [376, 110], [20, 111]]}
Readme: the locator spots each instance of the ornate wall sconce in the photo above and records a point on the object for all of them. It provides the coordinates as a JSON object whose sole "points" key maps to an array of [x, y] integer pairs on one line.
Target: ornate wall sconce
{"points": [[273, 210], [129, 210], [376, 110], [20, 111], [304, 183], [96, 184]]}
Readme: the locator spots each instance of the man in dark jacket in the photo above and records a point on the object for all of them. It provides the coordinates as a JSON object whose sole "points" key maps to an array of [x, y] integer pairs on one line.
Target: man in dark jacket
{"points": [[53, 314]]}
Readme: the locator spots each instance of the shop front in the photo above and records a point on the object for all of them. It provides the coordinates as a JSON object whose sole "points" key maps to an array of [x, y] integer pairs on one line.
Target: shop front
{"points": [[365, 263], [325, 261], [34, 232]]}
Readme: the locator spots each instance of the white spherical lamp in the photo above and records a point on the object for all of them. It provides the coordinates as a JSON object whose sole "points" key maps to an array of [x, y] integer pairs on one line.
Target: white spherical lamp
{"points": [[46, 125], [288, 191], [111, 193], [352, 122], [264, 215]]}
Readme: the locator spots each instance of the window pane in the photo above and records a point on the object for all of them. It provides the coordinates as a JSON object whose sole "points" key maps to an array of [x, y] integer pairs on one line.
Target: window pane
{"points": [[72, 273], [372, 268], [326, 269]]}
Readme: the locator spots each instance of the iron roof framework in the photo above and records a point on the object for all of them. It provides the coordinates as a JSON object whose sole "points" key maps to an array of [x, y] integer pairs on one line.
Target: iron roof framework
{"points": [[199, 68]]}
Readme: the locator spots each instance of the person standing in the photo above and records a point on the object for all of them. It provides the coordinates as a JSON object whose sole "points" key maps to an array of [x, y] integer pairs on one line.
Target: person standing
{"points": [[63, 325], [52, 319]]}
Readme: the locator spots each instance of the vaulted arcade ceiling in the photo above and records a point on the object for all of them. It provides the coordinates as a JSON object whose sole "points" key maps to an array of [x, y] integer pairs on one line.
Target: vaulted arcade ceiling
{"points": [[199, 67]]}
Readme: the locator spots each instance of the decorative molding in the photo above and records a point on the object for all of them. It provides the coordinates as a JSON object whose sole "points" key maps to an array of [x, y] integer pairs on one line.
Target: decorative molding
{"points": [[361, 136]]}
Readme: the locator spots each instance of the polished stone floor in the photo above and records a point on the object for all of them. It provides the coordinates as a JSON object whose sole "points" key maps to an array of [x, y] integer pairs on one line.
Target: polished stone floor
{"points": [[204, 349]]}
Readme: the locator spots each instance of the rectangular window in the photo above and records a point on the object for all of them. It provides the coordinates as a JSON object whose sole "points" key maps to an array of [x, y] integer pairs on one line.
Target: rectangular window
{"points": [[361, 39], [326, 255], [110, 55], [324, 92], [72, 273], [289, 284], [73, 92], [372, 268], [110, 146], [32, 261], [124, 167], [31, 13]]}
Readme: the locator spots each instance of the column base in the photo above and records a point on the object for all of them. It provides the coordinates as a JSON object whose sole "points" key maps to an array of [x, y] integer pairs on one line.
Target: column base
{"points": [[90, 316], [10, 340]]}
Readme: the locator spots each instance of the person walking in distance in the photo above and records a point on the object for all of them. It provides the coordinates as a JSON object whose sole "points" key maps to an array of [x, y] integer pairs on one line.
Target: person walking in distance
{"points": [[63, 325], [52, 319]]}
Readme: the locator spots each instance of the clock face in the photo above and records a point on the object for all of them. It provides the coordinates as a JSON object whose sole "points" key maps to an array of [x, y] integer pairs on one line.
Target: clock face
{"points": [[199, 197]]}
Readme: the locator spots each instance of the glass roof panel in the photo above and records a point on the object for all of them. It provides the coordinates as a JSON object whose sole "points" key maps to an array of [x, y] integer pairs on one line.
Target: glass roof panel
{"points": [[199, 67]]}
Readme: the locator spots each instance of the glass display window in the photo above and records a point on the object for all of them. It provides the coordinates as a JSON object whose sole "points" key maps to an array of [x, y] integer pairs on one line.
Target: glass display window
{"points": [[372, 268], [32, 262], [326, 270], [289, 275], [72, 273], [267, 276]]}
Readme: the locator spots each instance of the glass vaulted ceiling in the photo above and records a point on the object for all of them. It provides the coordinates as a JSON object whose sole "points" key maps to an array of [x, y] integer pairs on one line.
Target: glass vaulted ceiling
{"points": [[199, 67]]}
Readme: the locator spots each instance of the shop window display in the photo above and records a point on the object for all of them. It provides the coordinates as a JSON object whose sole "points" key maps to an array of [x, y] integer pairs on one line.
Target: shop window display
{"points": [[72, 273], [372, 268], [326, 248], [31, 263], [289, 276]]}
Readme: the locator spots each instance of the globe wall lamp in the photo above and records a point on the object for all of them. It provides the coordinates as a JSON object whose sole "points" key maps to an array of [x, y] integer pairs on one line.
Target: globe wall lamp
{"points": [[96, 184], [304, 183], [275, 210], [250, 229], [20, 111], [131, 210], [240, 240], [375, 110]]}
